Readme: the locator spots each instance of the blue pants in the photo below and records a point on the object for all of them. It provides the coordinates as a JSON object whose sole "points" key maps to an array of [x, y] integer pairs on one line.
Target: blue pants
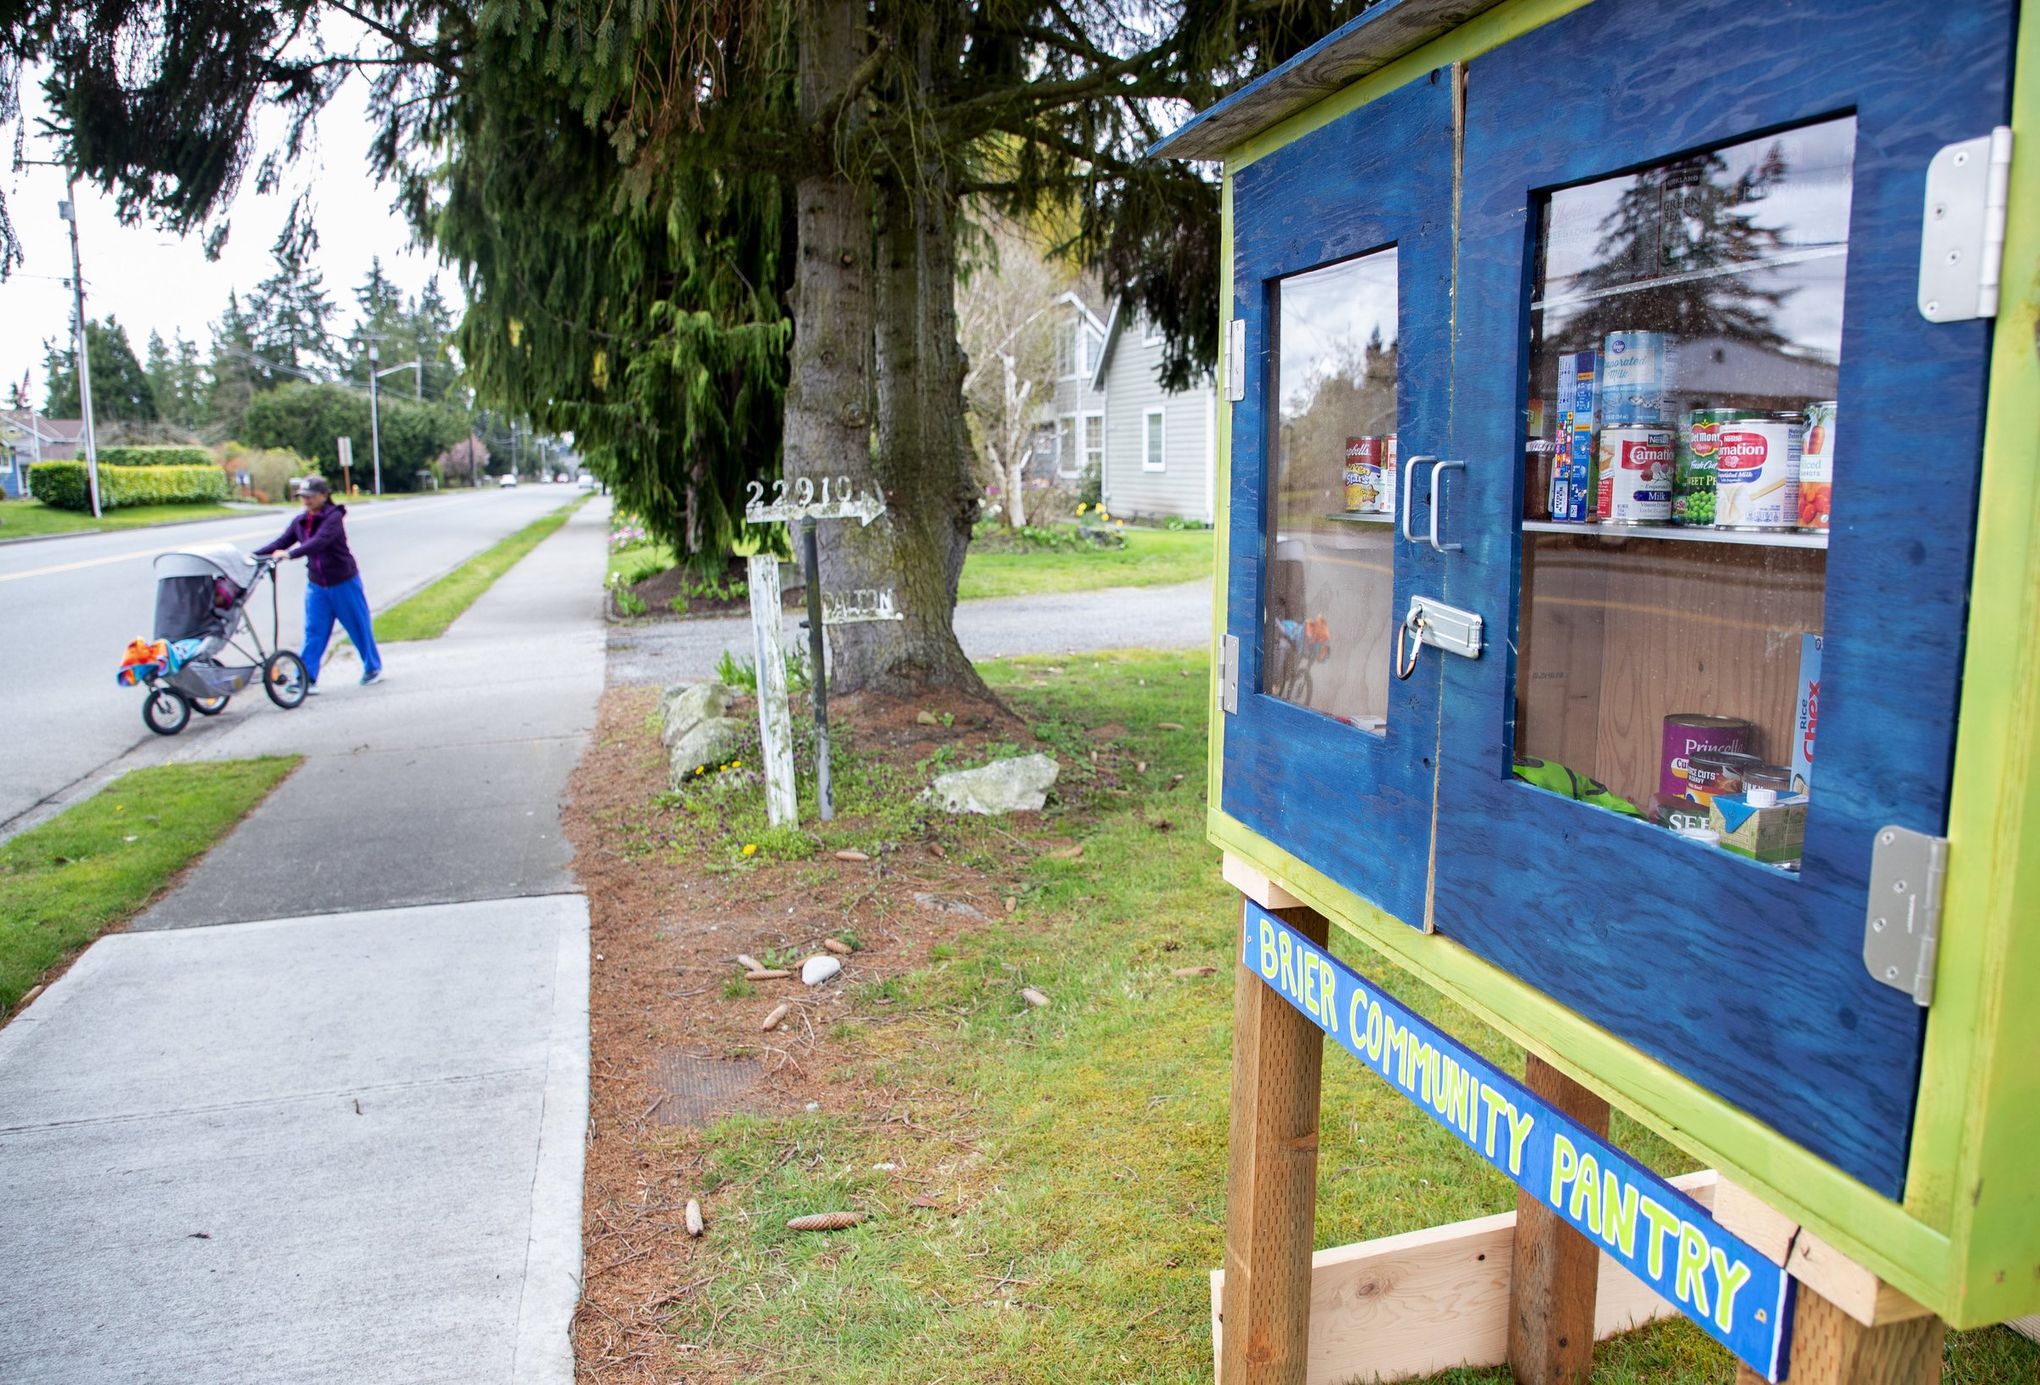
{"points": [[348, 604]]}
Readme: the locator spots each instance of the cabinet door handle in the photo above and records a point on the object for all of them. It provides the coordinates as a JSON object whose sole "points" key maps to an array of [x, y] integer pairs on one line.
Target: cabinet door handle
{"points": [[1409, 475], [1436, 504]]}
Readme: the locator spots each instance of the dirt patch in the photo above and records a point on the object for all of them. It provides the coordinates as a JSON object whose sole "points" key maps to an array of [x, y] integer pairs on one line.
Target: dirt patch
{"points": [[676, 1028]]}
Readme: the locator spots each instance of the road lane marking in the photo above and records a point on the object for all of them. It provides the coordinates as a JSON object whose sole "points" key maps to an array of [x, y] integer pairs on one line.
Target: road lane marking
{"points": [[264, 532]]}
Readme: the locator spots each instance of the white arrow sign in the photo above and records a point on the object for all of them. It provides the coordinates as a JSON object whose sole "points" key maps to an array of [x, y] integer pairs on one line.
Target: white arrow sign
{"points": [[860, 606]]}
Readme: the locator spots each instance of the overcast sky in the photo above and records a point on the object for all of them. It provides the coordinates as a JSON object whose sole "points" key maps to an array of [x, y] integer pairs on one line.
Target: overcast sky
{"points": [[151, 280]]}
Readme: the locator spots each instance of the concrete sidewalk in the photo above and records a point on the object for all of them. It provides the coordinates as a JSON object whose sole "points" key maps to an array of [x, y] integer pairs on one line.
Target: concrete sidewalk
{"points": [[343, 1142]]}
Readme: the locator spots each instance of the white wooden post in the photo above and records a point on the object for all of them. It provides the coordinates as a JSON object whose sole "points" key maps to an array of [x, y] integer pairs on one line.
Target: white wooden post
{"points": [[775, 722]]}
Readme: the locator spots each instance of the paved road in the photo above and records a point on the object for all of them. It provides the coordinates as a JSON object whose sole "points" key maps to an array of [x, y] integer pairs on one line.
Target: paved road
{"points": [[1178, 617], [345, 1145], [69, 606]]}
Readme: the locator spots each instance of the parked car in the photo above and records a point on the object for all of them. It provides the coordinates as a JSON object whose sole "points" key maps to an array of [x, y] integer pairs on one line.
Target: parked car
{"points": [[509, 481], [584, 481]]}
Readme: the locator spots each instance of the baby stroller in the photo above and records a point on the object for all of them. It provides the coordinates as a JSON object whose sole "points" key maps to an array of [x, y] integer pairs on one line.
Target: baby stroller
{"points": [[201, 613]]}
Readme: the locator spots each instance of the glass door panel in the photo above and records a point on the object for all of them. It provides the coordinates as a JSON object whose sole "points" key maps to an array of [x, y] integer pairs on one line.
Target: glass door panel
{"points": [[1331, 584], [1342, 277], [1701, 585]]}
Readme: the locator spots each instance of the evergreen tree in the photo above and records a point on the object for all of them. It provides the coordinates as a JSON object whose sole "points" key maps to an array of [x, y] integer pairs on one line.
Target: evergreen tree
{"points": [[232, 377], [382, 322], [120, 387], [290, 317], [176, 380]]}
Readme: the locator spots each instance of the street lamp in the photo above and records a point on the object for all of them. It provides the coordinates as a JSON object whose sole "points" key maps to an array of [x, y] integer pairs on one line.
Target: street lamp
{"points": [[374, 409]]}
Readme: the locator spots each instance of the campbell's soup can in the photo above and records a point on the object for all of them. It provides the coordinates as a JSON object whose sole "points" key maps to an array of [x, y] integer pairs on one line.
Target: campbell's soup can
{"points": [[1363, 474], [1636, 373], [1817, 466], [1695, 733], [1756, 473], [1635, 475]]}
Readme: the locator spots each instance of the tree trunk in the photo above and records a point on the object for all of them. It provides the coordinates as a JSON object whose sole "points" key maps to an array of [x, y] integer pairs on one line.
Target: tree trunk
{"points": [[899, 316]]}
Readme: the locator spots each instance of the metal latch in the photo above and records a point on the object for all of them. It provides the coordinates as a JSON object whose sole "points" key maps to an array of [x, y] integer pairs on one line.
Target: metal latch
{"points": [[1236, 360], [1962, 242], [1229, 673], [1447, 627], [1902, 926]]}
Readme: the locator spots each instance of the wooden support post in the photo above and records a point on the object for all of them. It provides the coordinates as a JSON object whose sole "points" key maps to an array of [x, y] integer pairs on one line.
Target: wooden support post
{"points": [[1271, 1186], [1554, 1268], [775, 721], [1829, 1347]]}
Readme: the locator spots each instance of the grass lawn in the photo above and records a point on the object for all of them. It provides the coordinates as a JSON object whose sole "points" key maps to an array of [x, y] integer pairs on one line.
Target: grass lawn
{"points": [[28, 518], [426, 615], [93, 865], [1151, 558], [1072, 1158]]}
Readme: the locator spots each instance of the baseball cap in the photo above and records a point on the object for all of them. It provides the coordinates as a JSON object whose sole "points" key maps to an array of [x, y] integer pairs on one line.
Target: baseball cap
{"points": [[314, 485]]}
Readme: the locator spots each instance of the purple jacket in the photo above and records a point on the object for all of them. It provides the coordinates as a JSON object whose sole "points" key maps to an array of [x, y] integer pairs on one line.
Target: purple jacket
{"points": [[320, 539]]}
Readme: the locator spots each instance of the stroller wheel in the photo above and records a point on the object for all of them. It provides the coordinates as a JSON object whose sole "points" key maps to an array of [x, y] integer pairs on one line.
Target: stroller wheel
{"points": [[208, 706], [166, 711], [285, 680]]}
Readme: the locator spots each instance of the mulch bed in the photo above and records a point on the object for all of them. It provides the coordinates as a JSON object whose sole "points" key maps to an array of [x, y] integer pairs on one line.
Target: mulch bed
{"points": [[671, 1050]]}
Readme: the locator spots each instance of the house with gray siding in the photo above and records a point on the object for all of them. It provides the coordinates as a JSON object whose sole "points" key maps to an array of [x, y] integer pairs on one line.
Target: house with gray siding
{"points": [[1069, 430], [1160, 447]]}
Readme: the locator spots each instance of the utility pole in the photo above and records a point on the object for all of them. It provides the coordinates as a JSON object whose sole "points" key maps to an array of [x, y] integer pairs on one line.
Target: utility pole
{"points": [[68, 209], [374, 411]]}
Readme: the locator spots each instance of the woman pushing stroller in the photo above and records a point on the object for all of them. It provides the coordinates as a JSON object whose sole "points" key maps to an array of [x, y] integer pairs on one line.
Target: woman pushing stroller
{"points": [[333, 590]]}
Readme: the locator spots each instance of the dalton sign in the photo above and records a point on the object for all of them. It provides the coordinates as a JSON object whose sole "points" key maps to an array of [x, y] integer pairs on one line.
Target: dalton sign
{"points": [[1656, 1232]]}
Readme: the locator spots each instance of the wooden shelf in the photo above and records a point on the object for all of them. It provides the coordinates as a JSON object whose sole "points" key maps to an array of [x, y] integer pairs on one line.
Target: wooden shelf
{"points": [[1680, 533], [1359, 517]]}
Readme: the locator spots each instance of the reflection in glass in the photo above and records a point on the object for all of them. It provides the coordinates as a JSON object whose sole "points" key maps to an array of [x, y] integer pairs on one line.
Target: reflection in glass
{"points": [[1326, 629], [1685, 350]]}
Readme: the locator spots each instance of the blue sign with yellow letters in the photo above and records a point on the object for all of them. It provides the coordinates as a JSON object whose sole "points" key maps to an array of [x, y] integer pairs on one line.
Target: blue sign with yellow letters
{"points": [[1655, 1231]]}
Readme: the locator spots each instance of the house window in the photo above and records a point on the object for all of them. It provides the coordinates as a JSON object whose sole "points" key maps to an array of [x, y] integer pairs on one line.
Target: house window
{"points": [[1067, 462], [1094, 444], [1066, 350], [1152, 455]]}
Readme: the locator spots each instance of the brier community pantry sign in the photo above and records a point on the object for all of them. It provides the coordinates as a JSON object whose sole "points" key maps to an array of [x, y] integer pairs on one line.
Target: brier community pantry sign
{"points": [[1653, 1230]]}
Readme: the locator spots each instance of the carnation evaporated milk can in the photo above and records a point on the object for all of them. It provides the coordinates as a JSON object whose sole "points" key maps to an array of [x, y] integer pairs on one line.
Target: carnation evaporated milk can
{"points": [[1756, 474], [1635, 475], [1636, 373], [1363, 474], [1817, 466]]}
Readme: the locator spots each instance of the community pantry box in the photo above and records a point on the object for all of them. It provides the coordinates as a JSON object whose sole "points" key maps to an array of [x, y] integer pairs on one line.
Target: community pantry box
{"points": [[1440, 703]]}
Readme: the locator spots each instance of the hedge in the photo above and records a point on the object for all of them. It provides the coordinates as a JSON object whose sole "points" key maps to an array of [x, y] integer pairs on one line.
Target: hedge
{"points": [[64, 486], [165, 455]]}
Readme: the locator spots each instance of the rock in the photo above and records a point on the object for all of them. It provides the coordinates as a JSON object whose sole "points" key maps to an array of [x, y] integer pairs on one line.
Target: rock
{"points": [[1016, 785], [1033, 997], [714, 743], [926, 718], [695, 1225], [817, 969], [948, 904], [685, 706]]}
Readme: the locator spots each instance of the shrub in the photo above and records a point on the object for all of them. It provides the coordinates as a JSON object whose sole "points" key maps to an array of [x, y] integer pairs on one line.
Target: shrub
{"points": [[270, 469], [154, 456], [65, 486]]}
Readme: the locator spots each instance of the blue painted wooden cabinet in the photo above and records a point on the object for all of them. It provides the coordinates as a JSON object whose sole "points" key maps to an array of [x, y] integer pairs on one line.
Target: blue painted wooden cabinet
{"points": [[1730, 252]]}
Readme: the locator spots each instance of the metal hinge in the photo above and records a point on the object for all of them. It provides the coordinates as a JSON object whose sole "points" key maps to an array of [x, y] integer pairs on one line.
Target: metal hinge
{"points": [[1229, 673], [1902, 926], [1236, 360], [1962, 242]]}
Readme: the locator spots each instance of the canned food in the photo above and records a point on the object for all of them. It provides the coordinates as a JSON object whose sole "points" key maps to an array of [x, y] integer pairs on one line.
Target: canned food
{"points": [[1363, 474], [1636, 375], [1777, 778], [1693, 479], [1757, 473], [1716, 772], [1388, 464], [1635, 475], [1694, 733], [1817, 466]]}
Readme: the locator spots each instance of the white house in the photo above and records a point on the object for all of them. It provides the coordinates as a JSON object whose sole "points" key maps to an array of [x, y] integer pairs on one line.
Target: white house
{"points": [[1069, 434], [31, 438], [1160, 447]]}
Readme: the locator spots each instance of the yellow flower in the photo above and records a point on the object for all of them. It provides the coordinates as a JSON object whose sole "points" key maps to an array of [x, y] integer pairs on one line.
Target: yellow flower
{"points": [[1081, 507], [736, 764], [750, 848]]}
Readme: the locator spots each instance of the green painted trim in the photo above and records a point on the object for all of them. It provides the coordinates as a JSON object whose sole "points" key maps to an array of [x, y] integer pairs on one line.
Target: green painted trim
{"points": [[1478, 35], [1979, 1114], [1967, 1241]]}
